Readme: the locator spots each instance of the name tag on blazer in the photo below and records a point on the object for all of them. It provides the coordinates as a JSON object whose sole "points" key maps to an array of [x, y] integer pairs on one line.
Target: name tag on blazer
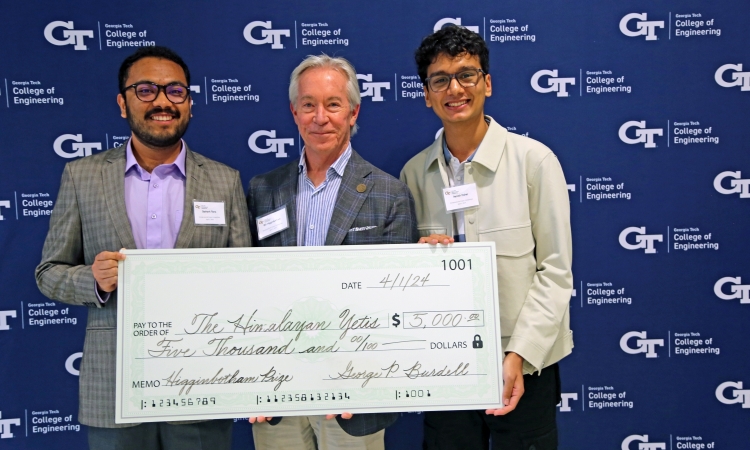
{"points": [[209, 213], [274, 222]]}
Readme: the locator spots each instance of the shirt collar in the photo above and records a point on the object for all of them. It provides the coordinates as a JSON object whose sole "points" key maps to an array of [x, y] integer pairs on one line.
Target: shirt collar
{"points": [[448, 155], [338, 166], [131, 162]]}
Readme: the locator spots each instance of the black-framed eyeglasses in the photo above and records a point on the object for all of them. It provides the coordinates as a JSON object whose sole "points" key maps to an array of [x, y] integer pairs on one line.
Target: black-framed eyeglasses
{"points": [[147, 92], [466, 78]]}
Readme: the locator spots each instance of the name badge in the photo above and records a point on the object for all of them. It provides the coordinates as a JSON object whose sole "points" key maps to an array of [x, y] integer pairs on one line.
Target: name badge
{"points": [[274, 222], [462, 197], [209, 213]]}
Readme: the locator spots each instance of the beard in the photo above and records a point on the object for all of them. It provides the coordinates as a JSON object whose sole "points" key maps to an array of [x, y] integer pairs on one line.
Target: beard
{"points": [[166, 138]]}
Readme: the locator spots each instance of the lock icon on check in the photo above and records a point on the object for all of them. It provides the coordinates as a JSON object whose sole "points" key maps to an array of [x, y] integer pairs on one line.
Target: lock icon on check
{"points": [[477, 343]]}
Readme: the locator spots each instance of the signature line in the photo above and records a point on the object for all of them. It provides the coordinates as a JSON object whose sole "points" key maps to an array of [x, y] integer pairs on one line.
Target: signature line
{"points": [[427, 285], [399, 342]]}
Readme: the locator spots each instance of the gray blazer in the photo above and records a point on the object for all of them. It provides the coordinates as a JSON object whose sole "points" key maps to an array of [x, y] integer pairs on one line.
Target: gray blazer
{"points": [[90, 217], [385, 203]]}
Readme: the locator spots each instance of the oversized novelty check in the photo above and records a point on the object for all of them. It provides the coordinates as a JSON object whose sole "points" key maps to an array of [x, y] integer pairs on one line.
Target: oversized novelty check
{"points": [[220, 333]]}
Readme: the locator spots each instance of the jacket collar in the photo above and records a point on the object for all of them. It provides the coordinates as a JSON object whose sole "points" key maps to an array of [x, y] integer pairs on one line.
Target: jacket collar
{"points": [[349, 199], [286, 195], [196, 188], [113, 180], [355, 188], [487, 154]]}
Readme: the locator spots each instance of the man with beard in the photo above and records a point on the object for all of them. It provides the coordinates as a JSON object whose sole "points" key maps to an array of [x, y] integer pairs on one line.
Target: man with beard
{"points": [[140, 195]]}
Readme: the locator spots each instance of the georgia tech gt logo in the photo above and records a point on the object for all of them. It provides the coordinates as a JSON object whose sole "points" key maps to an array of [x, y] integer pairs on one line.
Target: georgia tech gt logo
{"points": [[4, 319], [643, 240], [739, 186], [273, 145], [565, 402], [72, 37], [555, 84], [643, 345], [740, 78], [738, 291], [3, 204], [457, 21], [739, 395], [5, 424], [70, 361], [269, 35], [643, 26], [643, 135], [80, 148], [372, 89], [645, 444]]}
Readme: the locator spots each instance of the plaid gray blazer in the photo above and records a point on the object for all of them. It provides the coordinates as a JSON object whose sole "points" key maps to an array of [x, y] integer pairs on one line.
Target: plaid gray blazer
{"points": [[90, 217], [382, 214]]}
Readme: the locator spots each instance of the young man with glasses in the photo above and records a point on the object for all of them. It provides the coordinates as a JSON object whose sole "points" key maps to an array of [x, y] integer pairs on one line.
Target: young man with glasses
{"points": [[139, 195], [521, 204]]}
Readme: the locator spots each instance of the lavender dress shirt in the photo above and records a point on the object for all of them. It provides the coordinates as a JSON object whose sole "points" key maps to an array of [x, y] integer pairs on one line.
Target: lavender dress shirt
{"points": [[154, 202]]}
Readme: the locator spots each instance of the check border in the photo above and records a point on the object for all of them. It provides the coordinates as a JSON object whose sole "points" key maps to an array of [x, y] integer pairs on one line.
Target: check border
{"points": [[123, 274]]}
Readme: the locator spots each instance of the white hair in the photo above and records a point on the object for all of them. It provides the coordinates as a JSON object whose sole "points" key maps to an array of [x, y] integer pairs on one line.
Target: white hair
{"points": [[336, 63]]}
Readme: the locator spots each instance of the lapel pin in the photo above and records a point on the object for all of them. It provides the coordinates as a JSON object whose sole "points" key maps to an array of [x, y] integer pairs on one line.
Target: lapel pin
{"points": [[361, 188]]}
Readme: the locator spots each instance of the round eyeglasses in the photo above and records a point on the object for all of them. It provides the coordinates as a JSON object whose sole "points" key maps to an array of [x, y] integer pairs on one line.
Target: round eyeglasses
{"points": [[466, 78], [147, 92]]}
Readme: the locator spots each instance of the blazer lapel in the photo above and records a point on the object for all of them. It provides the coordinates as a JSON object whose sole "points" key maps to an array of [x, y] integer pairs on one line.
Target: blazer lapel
{"points": [[113, 180], [193, 190], [349, 199], [287, 195]]}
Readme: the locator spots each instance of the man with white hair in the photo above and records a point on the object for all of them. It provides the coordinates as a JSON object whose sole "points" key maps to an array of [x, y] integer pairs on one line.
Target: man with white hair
{"points": [[331, 196]]}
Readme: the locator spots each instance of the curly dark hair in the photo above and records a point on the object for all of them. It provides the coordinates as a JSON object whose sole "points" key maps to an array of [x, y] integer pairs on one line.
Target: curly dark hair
{"points": [[155, 51], [452, 40]]}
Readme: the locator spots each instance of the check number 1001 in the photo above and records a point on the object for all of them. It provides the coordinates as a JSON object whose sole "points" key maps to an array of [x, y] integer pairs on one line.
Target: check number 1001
{"points": [[456, 264]]}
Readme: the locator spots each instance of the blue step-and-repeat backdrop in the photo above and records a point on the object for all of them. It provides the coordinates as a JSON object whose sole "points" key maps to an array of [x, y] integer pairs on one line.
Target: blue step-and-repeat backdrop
{"points": [[646, 104]]}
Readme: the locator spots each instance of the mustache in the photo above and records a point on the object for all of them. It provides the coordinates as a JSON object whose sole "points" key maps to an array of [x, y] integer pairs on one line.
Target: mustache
{"points": [[159, 109]]}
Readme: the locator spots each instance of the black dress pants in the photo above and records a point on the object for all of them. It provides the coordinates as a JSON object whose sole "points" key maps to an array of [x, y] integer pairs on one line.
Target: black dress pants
{"points": [[531, 426]]}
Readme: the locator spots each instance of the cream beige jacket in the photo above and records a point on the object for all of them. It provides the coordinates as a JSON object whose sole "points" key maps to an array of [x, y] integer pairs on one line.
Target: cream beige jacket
{"points": [[523, 208]]}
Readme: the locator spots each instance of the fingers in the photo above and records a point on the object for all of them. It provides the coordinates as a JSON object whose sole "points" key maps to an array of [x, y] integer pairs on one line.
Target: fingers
{"points": [[344, 415], [518, 391], [508, 389], [502, 411], [513, 388], [435, 239], [114, 256], [512, 393], [104, 270], [259, 419], [106, 279]]}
